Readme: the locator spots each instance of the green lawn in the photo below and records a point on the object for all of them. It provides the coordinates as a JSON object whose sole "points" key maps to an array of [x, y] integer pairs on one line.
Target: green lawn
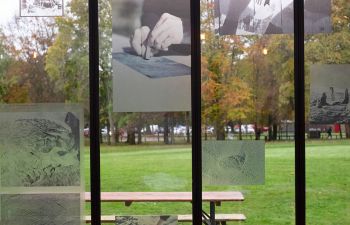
{"points": [[168, 168]]}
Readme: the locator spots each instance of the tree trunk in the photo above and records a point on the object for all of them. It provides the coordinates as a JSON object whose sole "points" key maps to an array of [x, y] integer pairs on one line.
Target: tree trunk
{"points": [[139, 135], [139, 128], [347, 130], [116, 133], [166, 129], [172, 135], [188, 138], [240, 130], [274, 134], [112, 128], [220, 131], [108, 136], [131, 136]]}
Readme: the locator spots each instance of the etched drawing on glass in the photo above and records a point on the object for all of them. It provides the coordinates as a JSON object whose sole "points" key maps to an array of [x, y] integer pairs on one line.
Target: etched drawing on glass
{"points": [[39, 148], [41, 7], [329, 98], [35, 209], [247, 17], [146, 220], [233, 162], [151, 55]]}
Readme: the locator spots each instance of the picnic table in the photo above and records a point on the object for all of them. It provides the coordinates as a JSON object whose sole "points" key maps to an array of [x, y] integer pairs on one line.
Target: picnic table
{"points": [[215, 198]]}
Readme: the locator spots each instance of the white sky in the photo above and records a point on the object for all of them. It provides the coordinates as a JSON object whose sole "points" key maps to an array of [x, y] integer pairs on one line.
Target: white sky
{"points": [[8, 9]]}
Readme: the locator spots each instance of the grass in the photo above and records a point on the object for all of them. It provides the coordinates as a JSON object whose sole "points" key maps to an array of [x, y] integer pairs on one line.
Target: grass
{"points": [[168, 168]]}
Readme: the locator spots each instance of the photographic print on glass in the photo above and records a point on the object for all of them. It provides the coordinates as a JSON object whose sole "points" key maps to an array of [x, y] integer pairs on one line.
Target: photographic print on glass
{"points": [[146, 220], [40, 147], [233, 162], [35, 209], [151, 55], [250, 17], [41, 8], [329, 98]]}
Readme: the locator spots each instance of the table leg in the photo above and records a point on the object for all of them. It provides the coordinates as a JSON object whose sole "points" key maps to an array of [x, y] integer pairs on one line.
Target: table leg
{"points": [[212, 213]]}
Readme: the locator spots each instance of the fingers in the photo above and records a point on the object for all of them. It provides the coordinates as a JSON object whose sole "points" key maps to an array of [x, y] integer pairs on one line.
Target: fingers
{"points": [[138, 40], [135, 41], [166, 43], [167, 31]]}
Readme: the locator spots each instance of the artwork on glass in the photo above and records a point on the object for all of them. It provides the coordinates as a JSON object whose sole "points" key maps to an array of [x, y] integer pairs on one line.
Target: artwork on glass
{"points": [[146, 220], [151, 55], [38, 147], [41, 8], [35, 209], [249, 17], [233, 162], [329, 98]]}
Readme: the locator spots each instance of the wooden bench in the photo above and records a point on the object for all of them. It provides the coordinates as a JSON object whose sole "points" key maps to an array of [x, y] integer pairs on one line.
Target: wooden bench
{"points": [[219, 218], [215, 198]]}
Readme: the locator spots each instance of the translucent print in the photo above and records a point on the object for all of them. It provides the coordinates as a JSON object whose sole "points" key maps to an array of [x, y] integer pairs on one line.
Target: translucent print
{"points": [[329, 98], [251, 17], [151, 56], [233, 162], [146, 220], [39, 149], [41, 7], [35, 209]]}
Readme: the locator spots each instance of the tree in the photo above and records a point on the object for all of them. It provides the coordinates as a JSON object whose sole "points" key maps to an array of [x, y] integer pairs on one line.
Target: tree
{"points": [[225, 95], [26, 41]]}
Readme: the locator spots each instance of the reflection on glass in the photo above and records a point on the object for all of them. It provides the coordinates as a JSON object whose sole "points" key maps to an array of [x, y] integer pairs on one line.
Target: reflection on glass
{"points": [[233, 162]]}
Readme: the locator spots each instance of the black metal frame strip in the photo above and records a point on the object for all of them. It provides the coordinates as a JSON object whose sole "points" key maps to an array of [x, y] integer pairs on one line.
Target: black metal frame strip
{"points": [[299, 92], [94, 113], [196, 113]]}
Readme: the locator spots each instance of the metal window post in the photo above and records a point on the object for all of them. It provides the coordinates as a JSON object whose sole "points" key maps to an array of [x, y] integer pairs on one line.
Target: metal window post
{"points": [[196, 113], [94, 113], [299, 93]]}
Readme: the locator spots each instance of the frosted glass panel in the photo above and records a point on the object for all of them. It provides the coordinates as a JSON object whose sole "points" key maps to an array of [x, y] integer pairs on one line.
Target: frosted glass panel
{"points": [[233, 162], [41, 8], [35, 209], [40, 162], [146, 220], [40, 148]]}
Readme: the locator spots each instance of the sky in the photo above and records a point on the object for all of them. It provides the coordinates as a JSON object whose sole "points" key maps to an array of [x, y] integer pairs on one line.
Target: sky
{"points": [[8, 9]]}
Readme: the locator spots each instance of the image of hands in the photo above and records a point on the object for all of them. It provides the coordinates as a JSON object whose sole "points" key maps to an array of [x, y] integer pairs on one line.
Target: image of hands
{"points": [[250, 17], [151, 55]]}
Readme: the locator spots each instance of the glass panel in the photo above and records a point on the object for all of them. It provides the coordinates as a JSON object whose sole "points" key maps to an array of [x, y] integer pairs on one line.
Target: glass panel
{"points": [[248, 95], [44, 103], [151, 55], [145, 99], [233, 163], [327, 119], [27, 209]]}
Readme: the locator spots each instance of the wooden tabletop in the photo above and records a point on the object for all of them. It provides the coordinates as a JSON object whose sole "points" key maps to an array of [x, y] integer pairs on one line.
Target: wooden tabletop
{"points": [[166, 196]]}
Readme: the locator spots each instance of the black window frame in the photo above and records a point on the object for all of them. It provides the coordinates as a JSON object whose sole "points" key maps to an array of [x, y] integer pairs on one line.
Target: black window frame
{"points": [[299, 87]]}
